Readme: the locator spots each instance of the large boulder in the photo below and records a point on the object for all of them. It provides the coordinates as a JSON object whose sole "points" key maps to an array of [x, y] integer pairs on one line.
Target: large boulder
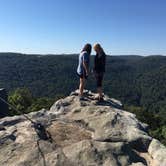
{"points": [[4, 111], [158, 152], [79, 133]]}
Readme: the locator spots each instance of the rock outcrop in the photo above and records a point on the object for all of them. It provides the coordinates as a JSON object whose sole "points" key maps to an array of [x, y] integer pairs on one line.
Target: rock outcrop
{"points": [[3, 106], [81, 133]]}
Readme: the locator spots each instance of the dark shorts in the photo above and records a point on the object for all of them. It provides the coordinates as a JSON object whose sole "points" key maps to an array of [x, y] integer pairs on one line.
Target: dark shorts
{"points": [[99, 79], [82, 76]]}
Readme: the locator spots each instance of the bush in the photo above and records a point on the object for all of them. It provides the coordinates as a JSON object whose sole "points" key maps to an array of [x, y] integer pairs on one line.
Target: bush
{"points": [[20, 99]]}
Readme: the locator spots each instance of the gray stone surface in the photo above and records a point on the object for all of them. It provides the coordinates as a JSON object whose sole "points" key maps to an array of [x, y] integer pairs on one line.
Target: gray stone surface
{"points": [[82, 133], [158, 152]]}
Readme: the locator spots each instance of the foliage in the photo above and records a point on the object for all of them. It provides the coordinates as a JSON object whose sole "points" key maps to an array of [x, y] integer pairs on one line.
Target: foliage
{"points": [[156, 122], [21, 99], [40, 103], [23, 102], [139, 82]]}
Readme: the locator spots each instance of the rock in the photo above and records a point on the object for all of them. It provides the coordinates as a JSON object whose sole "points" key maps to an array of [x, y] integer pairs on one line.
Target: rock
{"points": [[158, 152], [4, 111], [137, 164], [80, 133]]}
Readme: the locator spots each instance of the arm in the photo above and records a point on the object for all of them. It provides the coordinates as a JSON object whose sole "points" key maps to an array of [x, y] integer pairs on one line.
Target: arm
{"points": [[85, 63], [86, 67], [104, 62], [104, 58]]}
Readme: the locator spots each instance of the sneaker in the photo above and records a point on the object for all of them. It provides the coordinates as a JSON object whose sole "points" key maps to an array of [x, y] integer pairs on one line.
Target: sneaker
{"points": [[81, 98], [98, 98], [101, 99]]}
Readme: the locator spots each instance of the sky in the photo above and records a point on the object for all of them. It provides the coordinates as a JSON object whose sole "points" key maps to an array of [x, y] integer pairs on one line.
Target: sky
{"points": [[122, 27]]}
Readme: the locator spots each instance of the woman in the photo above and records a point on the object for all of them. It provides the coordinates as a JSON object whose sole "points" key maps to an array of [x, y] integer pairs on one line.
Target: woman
{"points": [[99, 69], [83, 67]]}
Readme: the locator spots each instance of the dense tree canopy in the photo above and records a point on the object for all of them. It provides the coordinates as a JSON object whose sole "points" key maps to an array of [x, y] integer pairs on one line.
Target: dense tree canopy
{"points": [[139, 82]]}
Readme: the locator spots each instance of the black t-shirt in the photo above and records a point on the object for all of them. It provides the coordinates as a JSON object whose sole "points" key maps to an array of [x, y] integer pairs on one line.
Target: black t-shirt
{"points": [[99, 63]]}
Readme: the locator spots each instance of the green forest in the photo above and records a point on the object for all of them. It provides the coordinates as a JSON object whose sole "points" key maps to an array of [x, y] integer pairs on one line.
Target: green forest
{"points": [[37, 81]]}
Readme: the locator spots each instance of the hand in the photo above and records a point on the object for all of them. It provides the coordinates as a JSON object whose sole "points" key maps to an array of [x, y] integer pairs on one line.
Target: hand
{"points": [[86, 76], [87, 73]]}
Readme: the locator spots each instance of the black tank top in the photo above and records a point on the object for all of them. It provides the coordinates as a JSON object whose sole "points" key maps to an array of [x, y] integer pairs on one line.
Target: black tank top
{"points": [[99, 63]]}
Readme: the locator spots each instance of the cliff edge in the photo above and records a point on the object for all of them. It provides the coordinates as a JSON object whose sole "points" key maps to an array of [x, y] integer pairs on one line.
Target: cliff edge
{"points": [[81, 133]]}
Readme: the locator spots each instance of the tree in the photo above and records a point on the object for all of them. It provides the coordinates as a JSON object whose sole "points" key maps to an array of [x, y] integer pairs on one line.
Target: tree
{"points": [[40, 103], [21, 99]]}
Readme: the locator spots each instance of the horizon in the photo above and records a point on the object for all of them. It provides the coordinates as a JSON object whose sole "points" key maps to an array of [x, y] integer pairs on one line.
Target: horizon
{"points": [[59, 27], [75, 54]]}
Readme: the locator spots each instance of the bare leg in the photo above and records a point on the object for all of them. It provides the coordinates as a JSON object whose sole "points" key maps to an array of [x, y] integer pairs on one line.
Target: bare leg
{"points": [[81, 87], [99, 85], [100, 92]]}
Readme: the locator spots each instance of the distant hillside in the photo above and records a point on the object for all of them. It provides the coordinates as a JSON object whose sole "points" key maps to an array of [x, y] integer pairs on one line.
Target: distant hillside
{"points": [[139, 82], [134, 80]]}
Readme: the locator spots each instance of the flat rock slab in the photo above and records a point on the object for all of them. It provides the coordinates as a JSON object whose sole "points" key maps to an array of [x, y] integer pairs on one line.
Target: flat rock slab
{"points": [[64, 134]]}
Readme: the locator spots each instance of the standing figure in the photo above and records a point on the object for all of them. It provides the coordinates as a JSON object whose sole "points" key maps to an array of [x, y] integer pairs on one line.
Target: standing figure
{"points": [[83, 68], [99, 69]]}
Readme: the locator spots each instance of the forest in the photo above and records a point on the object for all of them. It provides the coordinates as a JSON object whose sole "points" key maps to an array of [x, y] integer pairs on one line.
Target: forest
{"points": [[37, 81]]}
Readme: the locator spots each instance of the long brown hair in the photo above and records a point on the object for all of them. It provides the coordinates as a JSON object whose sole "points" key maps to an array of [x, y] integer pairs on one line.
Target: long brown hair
{"points": [[87, 48], [98, 46]]}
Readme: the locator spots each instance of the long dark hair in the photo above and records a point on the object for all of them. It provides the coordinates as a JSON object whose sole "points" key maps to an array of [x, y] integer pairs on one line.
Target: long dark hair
{"points": [[87, 48]]}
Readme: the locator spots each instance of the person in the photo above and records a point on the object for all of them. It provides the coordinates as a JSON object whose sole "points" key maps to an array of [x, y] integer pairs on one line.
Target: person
{"points": [[99, 69], [83, 67]]}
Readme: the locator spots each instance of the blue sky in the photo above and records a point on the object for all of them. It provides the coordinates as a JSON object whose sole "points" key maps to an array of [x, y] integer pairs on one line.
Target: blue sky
{"points": [[64, 26]]}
